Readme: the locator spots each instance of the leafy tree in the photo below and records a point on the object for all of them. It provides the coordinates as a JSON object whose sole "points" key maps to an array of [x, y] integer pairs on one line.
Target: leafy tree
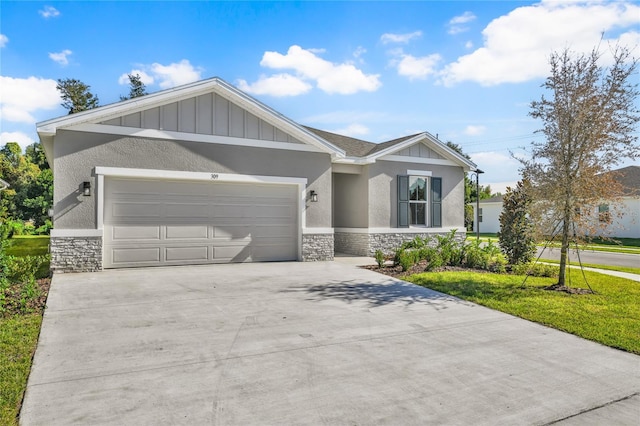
{"points": [[76, 96], [35, 154], [30, 194], [136, 87], [589, 122], [517, 233]]}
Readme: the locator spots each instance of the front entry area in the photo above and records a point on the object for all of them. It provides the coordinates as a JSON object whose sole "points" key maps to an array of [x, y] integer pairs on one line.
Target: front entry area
{"points": [[156, 222]]}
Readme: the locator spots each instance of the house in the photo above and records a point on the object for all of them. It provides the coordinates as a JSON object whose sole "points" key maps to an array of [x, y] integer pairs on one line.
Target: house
{"points": [[489, 218], [204, 173], [621, 219]]}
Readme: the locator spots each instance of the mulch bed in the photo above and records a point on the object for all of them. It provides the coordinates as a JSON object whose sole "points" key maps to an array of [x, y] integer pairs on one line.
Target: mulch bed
{"points": [[14, 304]]}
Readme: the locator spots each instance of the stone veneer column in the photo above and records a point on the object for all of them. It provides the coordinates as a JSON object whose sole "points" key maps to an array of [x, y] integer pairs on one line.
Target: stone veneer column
{"points": [[76, 254], [317, 247]]}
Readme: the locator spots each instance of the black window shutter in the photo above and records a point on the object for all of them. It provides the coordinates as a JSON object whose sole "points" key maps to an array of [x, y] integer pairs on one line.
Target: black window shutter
{"points": [[403, 201], [436, 202]]}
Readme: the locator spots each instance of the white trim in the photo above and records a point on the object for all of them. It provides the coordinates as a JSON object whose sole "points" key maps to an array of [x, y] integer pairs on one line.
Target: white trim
{"points": [[61, 233], [311, 231], [419, 173], [212, 176], [419, 160], [190, 137], [100, 206], [412, 230]]}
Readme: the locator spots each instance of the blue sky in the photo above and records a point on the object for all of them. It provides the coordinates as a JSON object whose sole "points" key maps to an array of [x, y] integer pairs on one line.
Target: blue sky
{"points": [[465, 71]]}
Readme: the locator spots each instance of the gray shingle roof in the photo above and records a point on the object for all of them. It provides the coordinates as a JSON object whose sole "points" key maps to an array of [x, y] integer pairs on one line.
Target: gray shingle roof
{"points": [[629, 177], [356, 147]]}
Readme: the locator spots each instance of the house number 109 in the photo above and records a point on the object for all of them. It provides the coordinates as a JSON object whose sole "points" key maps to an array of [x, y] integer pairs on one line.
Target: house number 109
{"points": [[214, 176]]}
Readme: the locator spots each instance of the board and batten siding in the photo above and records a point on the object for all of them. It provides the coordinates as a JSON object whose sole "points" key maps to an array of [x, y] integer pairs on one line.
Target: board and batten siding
{"points": [[208, 114]]}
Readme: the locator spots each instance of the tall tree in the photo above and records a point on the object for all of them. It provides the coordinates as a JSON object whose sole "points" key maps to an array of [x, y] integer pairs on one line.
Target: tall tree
{"points": [[76, 96], [589, 122], [136, 87]]}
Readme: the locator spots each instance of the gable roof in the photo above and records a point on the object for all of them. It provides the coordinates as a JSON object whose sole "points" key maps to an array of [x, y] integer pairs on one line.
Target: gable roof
{"points": [[629, 178], [341, 148], [365, 152], [47, 129]]}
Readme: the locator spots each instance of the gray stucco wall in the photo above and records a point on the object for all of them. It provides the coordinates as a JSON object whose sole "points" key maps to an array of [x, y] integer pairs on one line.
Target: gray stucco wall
{"points": [[351, 198], [383, 190], [77, 153]]}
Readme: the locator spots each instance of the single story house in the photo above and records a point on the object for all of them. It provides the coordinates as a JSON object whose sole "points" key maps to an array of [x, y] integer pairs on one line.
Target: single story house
{"points": [[489, 215], [204, 173], [621, 219]]}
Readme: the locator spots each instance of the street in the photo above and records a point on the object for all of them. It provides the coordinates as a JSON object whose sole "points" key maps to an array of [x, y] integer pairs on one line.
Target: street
{"points": [[594, 257]]}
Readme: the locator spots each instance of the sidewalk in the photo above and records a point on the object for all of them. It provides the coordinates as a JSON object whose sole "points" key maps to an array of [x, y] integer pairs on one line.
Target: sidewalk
{"points": [[627, 275]]}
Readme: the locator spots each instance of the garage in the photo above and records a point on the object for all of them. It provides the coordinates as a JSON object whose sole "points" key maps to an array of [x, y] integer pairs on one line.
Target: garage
{"points": [[157, 222]]}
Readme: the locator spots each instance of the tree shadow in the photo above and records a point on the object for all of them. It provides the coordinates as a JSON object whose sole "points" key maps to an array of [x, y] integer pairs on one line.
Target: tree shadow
{"points": [[391, 291]]}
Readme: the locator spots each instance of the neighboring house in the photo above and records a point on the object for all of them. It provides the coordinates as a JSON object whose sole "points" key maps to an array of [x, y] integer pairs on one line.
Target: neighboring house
{"points": [[489, 218], [619, 220], [204, 173]]}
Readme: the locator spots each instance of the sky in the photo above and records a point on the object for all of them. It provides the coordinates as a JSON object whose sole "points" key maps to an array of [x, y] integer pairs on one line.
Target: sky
{"points": [[465, 72]]}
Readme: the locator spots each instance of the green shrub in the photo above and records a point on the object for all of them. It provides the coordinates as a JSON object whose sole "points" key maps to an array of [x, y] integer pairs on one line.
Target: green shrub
{"points": [[407, 258], [536, 270], [417, 243], [379, 255], [24, 269], [498, 263], [476, 256]]}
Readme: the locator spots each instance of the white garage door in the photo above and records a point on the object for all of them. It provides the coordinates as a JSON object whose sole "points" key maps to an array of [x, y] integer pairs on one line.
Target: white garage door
{"points": [[158, 222]]}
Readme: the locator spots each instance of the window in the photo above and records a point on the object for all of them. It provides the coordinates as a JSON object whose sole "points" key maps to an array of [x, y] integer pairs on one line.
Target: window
{"points": [[480, 214], [419, 201], [603, 213]]}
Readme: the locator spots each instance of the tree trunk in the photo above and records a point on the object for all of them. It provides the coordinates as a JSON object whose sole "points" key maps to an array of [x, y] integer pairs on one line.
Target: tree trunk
{"points": [[564, 247]]}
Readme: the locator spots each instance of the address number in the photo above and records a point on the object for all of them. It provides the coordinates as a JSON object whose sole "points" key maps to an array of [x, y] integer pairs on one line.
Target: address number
{"points": [[214, 176]]}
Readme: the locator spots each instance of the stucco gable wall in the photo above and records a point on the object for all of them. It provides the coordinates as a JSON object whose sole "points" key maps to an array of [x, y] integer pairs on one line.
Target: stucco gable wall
{"points": [[208, 114], [77, 153], [383, 189], [419, 150]]}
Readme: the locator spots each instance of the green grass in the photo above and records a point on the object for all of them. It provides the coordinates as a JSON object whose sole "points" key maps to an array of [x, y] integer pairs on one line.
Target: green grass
{"points": [[623, 245], [28, 245], [18, 339], [19, 336], [611, 316], [628, 269]]}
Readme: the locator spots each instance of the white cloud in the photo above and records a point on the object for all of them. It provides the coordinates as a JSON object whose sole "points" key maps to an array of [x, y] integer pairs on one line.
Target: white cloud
{"points": [[413, 67], [468, 45], [61, 57], [174, 74], [359, 52], [472, 130], [353, 130], [456, 23], [276, 85], [22, 139], [144, 77], [399, 38], [21, 97], [516, 49], [331, 78], [500, 169], [49, 12], [3, 40]]}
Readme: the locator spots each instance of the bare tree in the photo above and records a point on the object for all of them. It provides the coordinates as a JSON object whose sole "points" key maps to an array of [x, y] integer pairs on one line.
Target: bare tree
{"points": [[589, 123]]}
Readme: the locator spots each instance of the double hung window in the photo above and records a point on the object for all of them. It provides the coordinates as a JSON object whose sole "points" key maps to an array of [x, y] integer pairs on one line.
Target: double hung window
{"points": [[419, 201]]}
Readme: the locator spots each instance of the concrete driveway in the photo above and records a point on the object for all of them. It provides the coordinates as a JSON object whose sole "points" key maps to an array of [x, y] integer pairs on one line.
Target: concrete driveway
{"points": [[307, 343]]}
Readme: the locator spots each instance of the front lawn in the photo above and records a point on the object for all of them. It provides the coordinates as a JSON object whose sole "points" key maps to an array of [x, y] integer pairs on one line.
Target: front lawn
{"points": [[611, 316], [21, 308]]}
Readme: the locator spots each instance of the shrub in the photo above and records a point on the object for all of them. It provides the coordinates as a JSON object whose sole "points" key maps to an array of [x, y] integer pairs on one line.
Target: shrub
{"points": [[516, 228], [379, 255], [407, 258], [417, 243]]}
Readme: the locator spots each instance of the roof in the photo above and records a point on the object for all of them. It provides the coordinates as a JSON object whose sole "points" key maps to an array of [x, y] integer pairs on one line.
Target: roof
{"points": [[341, 148], [629, 178], [361, 149]]}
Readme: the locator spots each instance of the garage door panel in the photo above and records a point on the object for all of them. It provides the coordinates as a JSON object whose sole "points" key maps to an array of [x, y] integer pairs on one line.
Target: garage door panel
{"points": [[157, 222], [128, 233], [136, 209], [135, 255], [197, 253], [187, 232], [187, 210]]}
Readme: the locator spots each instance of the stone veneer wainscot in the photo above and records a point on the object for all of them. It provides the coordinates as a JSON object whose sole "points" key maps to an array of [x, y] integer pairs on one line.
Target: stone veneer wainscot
{"points": [[317, 247], [76, 254], [366, 244]]}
